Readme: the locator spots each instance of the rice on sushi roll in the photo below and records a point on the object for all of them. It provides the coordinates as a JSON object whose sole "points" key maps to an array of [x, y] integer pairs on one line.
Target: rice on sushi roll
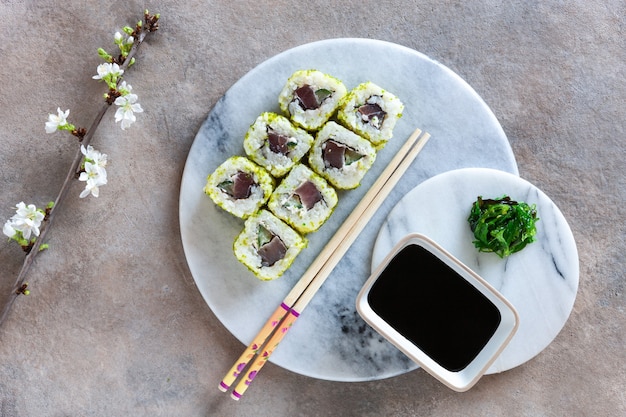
{"points": [[341, 156], [371, 112], [239, 186], [310, 98], [303, 199], [267, 246], [276, 144]]}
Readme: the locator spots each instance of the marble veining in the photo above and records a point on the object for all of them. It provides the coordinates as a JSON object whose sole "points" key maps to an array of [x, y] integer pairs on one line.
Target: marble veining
{"points": [[329, 340], [541, 281]]}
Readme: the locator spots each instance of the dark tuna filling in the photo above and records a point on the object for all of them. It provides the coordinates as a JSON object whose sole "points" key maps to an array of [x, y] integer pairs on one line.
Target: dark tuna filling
{"points": [[306, 97], [333, 154], [309, 98], [372, 114], [309, 194], [278, 143], [336, 154], [239, 186], [272, 252]]}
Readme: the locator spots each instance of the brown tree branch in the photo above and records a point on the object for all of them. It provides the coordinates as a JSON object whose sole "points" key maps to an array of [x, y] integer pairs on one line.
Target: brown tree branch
{"points": [[150, 24]]}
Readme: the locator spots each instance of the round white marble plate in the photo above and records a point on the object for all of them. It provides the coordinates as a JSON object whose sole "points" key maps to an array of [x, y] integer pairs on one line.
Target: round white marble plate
{"points": [[329, 340], [541, 281]]}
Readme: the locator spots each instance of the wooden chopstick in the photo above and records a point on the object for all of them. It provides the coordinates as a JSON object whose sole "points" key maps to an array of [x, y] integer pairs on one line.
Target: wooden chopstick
{"points": [[359, 223], [337, 247], [304, 290], [291, 298]]}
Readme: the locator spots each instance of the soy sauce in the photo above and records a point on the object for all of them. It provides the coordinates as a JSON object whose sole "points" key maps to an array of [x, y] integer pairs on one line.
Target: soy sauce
{"points": [[434, 307]]}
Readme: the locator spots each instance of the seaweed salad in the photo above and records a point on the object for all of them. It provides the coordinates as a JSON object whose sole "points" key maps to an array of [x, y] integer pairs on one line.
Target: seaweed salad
{"points": [[502, 225]]}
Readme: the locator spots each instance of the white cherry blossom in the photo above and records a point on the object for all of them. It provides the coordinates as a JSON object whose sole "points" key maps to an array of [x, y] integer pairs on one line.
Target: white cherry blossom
{"points": [[124, 88], [8, 229], [57, 121], [108, 70], [27, 220], [95, 177], [94, 156], [128, 106]]}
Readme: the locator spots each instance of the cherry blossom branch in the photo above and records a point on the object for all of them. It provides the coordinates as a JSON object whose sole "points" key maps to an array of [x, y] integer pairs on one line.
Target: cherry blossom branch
{"points": [[124, 60]]}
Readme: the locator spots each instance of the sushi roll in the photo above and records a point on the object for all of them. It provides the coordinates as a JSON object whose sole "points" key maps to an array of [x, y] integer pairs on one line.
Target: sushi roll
{"points": [[310, 98], [267, 246], [276, 144], [371, 112], [341, 156], [303, 199], [239, 186]]}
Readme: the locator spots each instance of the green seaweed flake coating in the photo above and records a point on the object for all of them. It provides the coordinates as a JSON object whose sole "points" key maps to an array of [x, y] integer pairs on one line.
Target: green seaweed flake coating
{"points": [[502, 225]]}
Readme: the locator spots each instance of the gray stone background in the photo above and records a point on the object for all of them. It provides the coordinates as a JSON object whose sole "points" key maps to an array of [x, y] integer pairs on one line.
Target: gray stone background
{"points": [[115, 326]]}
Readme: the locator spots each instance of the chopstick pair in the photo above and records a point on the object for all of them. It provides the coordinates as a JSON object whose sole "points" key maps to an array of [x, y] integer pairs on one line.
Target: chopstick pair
{"points": [[302, 293]]}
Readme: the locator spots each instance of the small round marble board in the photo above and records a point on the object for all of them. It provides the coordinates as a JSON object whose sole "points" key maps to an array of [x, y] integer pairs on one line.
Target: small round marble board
{"points": [[329, 340], [541, 281]]}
